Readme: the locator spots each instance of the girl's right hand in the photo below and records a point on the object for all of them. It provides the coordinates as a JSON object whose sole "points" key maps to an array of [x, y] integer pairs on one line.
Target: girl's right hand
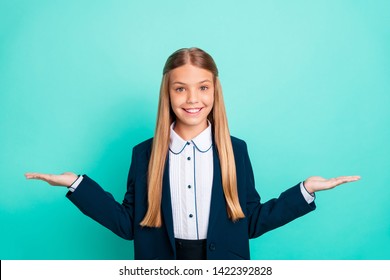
{"points": [[64, 180]]}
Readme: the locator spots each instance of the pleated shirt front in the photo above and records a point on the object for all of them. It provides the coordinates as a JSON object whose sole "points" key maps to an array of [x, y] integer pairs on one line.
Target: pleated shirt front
{"points": [[191, 178]]}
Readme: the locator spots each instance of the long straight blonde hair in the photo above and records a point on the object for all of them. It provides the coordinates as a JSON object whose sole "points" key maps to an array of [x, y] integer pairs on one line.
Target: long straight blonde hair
{"points": [[160, 146]]}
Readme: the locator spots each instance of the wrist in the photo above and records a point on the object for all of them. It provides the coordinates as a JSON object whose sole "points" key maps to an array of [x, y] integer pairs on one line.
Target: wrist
{"points": [[73, 180], [308, 187]]}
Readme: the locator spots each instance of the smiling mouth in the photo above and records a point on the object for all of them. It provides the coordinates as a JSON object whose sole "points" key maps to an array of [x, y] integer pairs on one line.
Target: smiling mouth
{"points": [[193, 110]]}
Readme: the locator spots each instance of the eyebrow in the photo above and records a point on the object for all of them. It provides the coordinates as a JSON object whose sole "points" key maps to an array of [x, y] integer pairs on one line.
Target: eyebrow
{"points": [[201, 82]]}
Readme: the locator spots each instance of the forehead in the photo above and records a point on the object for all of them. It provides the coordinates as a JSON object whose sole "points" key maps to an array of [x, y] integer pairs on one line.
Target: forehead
{"points": [[189, 74]]}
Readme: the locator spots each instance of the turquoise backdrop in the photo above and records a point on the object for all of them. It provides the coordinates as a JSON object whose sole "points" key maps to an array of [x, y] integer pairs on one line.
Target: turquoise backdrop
{"points": [[306, 84]]}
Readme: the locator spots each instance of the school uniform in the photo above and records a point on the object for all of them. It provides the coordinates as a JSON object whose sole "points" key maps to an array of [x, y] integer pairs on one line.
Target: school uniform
{"points": [[193, 204]]}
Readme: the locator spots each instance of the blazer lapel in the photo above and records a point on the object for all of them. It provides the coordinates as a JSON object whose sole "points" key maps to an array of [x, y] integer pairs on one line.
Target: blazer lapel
{"points": [[217, 196], [166, 205]]}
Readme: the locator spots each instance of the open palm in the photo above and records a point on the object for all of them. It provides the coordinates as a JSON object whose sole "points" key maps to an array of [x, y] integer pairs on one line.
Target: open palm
{"points": [[65, 179], [317, 183]]}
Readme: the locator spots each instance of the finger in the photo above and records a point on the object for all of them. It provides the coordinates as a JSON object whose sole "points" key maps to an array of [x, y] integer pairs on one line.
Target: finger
{"points": [[38, 176], [340, 181], [355, 177], [333, 182], [347, 179], [31, 175]]}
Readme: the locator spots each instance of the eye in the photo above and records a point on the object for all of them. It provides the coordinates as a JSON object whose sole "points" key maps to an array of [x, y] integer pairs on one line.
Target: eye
{"points": [[179, 89], [203, 88]]}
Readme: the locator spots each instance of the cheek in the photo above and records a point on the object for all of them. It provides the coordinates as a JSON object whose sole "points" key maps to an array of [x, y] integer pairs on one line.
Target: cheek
{"points": [[175, 101], [172, 99], [209, 99]]}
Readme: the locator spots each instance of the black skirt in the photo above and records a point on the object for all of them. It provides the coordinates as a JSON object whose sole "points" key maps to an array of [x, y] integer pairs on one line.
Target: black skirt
{"points": [[190, 249]]}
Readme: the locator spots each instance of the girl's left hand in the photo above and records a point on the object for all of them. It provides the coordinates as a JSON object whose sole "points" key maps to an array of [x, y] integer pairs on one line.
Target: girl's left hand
{"points": [[317, 183]]}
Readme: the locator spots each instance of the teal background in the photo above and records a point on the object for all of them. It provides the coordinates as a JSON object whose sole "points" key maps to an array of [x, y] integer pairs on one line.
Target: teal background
{"points": [[306, 84]]}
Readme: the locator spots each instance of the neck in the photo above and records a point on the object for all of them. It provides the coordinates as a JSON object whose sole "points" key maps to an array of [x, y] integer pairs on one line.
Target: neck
{"points": [[189, 132]]}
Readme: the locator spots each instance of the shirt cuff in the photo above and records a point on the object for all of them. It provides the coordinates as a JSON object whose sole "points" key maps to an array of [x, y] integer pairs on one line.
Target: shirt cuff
{"points": [[75, 184], [307, 196]]}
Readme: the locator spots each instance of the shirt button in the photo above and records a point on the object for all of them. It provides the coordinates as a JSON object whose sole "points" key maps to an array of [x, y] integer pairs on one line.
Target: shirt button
{"points": [[189, 158], [188, 143], [189, 186], [191, 215], [212, 247]]}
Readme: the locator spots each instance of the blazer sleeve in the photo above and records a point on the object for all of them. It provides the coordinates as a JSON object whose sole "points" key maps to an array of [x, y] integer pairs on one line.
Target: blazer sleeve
{"points": [[263, 217], [101, 206]]}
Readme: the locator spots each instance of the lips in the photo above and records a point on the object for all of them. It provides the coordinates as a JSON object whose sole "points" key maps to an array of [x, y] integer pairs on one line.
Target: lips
{"points": [[192, 110]]}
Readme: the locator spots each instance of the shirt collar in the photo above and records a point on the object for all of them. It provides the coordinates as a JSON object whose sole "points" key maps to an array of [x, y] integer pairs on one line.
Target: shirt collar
{"points": [[202, 141]]}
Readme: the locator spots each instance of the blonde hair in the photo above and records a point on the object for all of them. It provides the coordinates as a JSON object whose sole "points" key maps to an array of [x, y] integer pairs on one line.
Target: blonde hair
{"points": [[160, 146]]}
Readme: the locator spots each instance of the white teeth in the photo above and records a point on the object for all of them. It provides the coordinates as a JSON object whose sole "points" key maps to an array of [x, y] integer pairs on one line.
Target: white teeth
{"points": [[192, 110]]}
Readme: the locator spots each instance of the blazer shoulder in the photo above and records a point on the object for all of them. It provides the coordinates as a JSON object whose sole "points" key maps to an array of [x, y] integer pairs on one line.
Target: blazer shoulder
{"points": [[145, 146], [238, 144]]}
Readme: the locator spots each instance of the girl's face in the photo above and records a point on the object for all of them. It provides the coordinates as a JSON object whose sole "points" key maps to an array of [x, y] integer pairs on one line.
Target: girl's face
{"points": [[191, 90]]}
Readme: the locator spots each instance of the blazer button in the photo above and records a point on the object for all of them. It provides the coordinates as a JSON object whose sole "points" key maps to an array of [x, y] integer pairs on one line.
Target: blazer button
{"points": [[212, 247]]}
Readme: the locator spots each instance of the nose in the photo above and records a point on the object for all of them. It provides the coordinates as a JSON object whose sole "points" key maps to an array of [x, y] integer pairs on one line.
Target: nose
{"points": [[192, 96]]}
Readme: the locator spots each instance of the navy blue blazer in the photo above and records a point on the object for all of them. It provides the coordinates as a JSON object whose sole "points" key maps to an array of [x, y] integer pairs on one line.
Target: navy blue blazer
{"points": [[225, 239]]}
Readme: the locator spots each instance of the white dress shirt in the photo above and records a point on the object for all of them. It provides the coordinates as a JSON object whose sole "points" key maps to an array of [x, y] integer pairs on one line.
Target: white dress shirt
{"points": [[191, 178]]}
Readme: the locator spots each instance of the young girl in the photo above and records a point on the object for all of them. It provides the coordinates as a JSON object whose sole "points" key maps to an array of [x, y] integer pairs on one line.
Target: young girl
{"points": [[190, 190]]}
